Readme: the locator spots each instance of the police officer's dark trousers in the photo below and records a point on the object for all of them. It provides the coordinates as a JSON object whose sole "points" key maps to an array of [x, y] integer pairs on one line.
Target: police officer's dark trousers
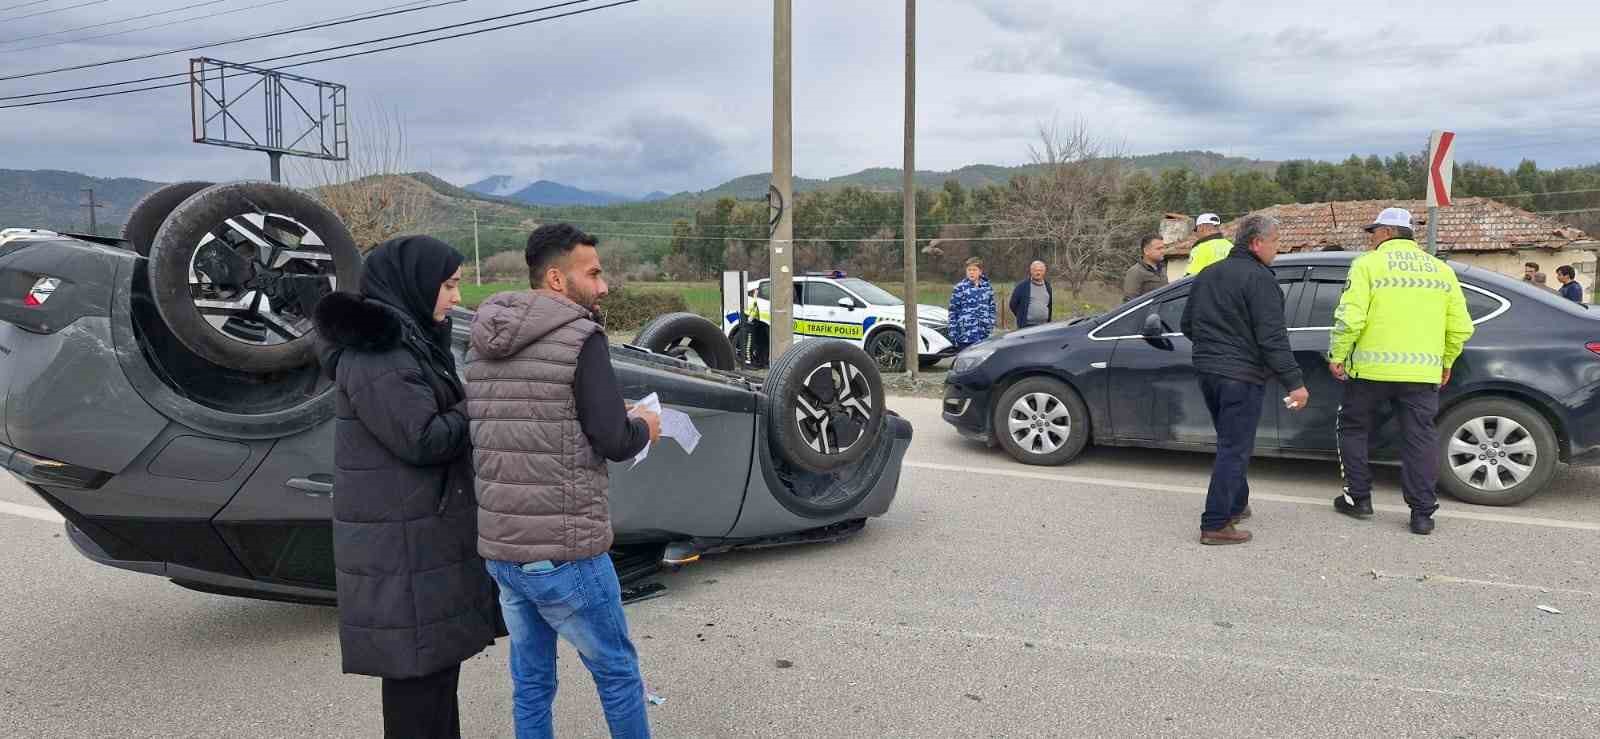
{"points": [[1415, 404]]}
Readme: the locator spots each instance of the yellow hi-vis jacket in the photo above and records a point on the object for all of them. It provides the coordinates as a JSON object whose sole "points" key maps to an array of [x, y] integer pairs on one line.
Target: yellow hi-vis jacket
{"points": [[1402, 318], [1207, 252]]}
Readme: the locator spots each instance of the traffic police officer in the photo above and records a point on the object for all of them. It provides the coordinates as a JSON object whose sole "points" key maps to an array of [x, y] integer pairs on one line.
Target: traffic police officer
{"points": [[1209, 246], [1399, 327]]}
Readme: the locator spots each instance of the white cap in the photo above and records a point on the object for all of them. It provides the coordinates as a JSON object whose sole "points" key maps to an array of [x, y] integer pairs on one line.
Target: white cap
{"points": [[1397, 217], [1208, 219]]}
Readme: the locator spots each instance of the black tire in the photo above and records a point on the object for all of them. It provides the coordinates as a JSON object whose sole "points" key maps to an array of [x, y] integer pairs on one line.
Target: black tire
{"points": [[1044, 442], [152, 210], [812, 423], [1506, 422], [676, 334], [887, 348], [177, 244]]}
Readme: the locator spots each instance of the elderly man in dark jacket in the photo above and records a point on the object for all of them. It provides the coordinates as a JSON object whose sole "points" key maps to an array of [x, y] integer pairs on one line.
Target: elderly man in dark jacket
{"points": [[414, 599], [1032, 301], [1234, 316], [547, 413]]}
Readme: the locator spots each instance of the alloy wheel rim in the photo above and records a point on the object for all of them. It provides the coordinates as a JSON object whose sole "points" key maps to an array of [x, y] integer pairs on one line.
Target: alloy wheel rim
{"points": [[1492, 453], [833, 408], [256, 278], [1039, 423]]}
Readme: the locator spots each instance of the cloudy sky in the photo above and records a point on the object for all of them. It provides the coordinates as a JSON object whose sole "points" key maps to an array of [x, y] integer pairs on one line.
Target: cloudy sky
{"points": [[676, 94]]}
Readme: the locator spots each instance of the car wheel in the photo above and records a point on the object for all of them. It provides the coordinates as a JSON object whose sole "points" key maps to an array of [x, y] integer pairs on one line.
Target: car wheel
{"points": [[237, 269], [152, 210], [1496, 452], [690, 337], [824, 404], [888, 349], [1042, 421]]}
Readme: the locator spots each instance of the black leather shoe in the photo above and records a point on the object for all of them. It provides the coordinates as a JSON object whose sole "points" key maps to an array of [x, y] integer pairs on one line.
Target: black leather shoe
{"points": [[1422, 525], [1351, 507]]}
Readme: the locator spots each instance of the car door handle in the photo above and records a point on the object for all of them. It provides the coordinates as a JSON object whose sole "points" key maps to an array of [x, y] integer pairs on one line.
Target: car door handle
{"points": [[319, 484]]}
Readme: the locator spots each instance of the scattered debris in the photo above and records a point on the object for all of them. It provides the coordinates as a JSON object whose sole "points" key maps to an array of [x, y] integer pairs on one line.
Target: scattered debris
{"points": [[655, 700], [712, 581], [1223, 624], [1028, 644], [972, 697], [784, 664], [1548, 609]]}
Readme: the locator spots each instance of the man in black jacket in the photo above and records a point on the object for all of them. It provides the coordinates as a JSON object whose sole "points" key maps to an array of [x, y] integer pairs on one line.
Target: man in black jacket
{"points": [[1032, 301], [1234, 316]]}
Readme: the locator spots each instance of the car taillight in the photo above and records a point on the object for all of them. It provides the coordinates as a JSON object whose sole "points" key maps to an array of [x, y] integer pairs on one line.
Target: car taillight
{"points": [[41, 291], [1593, 346]]}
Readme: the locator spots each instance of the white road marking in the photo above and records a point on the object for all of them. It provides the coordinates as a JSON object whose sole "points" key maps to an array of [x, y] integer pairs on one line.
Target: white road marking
{"points": [[1553, 523], [30, 511]]}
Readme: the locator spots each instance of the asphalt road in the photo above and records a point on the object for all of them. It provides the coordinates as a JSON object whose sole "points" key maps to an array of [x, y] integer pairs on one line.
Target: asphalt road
{"points": [[993, 600]]}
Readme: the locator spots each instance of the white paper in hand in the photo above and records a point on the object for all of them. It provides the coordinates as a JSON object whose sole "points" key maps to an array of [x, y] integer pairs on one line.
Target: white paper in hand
{"points": [[675, 425]]}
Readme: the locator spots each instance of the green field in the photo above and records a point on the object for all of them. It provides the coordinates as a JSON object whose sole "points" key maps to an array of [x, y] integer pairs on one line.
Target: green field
{"points": [[705, 298]]}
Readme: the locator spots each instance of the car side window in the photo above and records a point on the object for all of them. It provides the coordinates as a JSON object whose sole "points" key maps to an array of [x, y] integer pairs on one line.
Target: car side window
{"points": [[1131, 324], [824, 294], [1171, 312], [1480, 305], [1324, 301]]}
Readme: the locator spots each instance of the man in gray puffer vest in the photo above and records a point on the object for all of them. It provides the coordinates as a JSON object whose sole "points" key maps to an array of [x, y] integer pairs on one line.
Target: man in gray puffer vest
{"points": [[546, 414]]}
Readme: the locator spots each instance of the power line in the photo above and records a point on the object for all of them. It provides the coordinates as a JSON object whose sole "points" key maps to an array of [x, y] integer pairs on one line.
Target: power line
{"points": [[51, 12], [167, 24], [350, 55], [23, 5], [798, 241], [392, 11], [115, 22]]}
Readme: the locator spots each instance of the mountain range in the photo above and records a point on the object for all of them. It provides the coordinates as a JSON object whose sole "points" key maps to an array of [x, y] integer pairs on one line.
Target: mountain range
{"points": [[55, 199]]}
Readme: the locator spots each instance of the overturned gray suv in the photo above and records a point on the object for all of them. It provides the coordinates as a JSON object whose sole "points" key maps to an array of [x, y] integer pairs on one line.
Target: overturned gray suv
{"points": [[160, 392]]}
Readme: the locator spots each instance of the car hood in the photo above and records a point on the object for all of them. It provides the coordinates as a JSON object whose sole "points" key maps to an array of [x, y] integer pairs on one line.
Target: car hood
{"points": [[932, 313]]}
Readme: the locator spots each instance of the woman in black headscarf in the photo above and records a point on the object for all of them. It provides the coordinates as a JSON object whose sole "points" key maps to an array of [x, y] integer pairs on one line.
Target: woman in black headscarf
{"points": [[414, 598]]}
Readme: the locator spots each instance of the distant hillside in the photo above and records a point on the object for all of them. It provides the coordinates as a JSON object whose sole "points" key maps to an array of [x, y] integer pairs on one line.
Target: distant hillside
{"points": [[54, 200], [887, 179], [544, 192]]}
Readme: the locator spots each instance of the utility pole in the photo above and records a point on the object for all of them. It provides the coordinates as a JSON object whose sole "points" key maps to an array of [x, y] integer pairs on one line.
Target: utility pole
{"points": [[782, 257], [913, 340], [477, 263], [94, 227]]}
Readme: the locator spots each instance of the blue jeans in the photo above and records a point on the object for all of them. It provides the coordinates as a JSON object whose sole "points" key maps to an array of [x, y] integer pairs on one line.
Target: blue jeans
{"points": [[582, 602], [1235, 413]]}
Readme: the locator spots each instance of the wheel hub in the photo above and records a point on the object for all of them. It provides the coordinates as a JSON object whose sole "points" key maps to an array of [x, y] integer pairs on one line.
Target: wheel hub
{"points": [[1492, 453], [257, 278]]}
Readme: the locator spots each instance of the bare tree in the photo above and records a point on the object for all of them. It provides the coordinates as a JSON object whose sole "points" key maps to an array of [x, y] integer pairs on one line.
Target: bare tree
{"points": [[369, 191], [1075, 206]]}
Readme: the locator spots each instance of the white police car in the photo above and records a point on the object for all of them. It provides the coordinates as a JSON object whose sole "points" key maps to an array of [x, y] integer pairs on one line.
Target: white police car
{"points": [[831, 305]]}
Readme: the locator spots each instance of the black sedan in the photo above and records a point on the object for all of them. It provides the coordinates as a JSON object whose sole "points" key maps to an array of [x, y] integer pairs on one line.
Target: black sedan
{"points": [[1524, 398]]}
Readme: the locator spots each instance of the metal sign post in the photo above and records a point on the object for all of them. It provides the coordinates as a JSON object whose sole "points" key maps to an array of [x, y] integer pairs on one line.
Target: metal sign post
{"points": [[1441, 173]]}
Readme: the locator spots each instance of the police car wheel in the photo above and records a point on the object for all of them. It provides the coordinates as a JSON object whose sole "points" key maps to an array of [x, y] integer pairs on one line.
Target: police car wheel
{"points": [[237, 269], [824, 404], [147, 215], [1041, 421], [688, 336], [888, 349], [1495, 451]]}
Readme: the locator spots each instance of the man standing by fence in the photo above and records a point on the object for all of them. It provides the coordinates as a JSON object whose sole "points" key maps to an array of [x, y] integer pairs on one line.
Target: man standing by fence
{"points": [[1032, 301], [1234, 316]]}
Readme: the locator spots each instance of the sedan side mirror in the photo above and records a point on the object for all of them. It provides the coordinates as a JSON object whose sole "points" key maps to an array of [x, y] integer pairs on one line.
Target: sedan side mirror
{"points": [[1153, 327], [847, 303]]}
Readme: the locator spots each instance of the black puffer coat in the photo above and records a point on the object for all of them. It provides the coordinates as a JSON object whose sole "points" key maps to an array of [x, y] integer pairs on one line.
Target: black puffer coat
{"points": [[414, 597]]}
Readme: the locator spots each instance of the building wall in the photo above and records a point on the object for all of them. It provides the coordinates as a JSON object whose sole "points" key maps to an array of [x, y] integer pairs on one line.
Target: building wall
{"points": [[1508, 263]]}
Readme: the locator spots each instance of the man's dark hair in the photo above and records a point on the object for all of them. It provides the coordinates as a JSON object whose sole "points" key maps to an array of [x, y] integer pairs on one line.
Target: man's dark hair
{"points": [[1531, 265], [1404, 232], [1333, 247], [1566, 271], [1145, 242], [549, 243]]}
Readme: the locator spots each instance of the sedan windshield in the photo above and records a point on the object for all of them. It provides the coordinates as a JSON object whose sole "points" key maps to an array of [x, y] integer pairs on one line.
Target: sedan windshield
{"points": [[870, 292]]}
